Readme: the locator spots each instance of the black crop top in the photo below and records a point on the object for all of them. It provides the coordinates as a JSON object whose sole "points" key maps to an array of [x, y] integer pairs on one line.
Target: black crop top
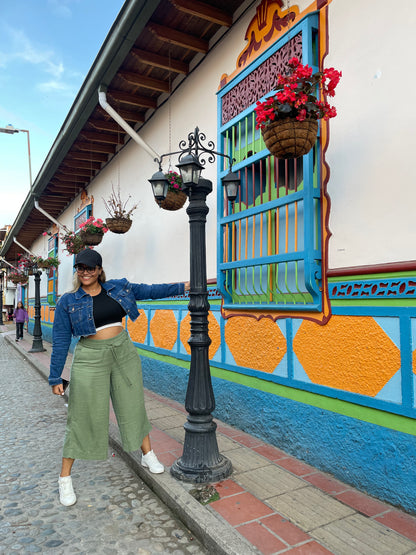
{"points": [[106, 310]]}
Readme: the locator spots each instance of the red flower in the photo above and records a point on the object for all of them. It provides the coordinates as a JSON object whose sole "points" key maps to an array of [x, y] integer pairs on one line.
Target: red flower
{"points": [[297, 95]]}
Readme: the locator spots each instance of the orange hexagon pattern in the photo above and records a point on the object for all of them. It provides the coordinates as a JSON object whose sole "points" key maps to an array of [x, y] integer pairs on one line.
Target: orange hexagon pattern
{"points": [[214, 332], [257, 344], [138, 329], [350, 353], [164, 329]]}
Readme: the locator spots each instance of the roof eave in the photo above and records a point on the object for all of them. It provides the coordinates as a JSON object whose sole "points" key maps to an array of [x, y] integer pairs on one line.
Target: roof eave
{"points": [[129, 23]]}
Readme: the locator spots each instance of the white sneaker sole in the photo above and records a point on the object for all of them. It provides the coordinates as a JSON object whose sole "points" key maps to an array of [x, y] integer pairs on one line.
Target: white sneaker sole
{"points": [[144, 465]]}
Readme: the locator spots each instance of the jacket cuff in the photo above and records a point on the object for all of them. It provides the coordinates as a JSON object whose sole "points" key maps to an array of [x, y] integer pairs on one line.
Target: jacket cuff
{"points": [[54, 381]]}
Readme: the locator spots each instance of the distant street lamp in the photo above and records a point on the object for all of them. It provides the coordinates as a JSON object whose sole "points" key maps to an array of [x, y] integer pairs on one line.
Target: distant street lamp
{"points": [[1, 296], [201, 461], [37, 344], [10, 130]]}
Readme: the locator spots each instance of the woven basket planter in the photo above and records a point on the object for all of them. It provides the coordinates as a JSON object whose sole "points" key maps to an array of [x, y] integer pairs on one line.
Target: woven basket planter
{"points": [[173, 201], [118, 225], [91, 239], [290, 138], [21, 280]]}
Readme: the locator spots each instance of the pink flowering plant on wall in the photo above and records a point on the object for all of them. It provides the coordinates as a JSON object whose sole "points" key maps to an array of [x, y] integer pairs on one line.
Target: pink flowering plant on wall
{"points": [[73, 242], [175, 181], [297, 95], [94, 226]]}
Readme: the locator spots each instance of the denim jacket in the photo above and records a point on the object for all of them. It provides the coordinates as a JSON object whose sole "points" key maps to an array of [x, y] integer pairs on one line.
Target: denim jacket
{"points": [[74, 314]]}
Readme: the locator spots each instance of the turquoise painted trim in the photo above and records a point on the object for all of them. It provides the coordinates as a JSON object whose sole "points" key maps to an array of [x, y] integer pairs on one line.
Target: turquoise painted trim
{"points": [[289, 348], [406, 366], [353, 398], [393, 311], [369, 277], [376, 459], [389, 289], [310, 257], [225, 362]]}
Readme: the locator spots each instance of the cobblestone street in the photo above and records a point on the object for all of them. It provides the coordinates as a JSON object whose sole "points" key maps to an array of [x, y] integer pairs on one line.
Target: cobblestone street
{"points": [[115, 511]]}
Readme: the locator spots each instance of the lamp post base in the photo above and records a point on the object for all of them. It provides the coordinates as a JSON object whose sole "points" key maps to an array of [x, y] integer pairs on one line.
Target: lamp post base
{"points": [[37, 346], [201, 461]]}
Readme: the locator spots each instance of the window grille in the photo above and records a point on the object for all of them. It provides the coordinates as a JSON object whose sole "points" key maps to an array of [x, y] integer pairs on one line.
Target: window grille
{"points": [[270, 238]]}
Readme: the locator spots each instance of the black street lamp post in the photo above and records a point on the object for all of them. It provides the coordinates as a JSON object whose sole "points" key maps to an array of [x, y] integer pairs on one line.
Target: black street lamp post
{"points": [[37, 344], [1, 297], [201, 461]]}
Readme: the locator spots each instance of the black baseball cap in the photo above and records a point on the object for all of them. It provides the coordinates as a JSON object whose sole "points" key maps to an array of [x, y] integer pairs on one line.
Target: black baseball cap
{"points": [[89, 257]]}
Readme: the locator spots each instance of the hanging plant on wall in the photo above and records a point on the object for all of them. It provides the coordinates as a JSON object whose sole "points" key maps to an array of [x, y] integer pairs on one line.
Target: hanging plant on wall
{"points": [[28, 263], [92, 231], [120, 218], [175, 198], [50, 262], [17, 277], [288, 118], [73, 242]]}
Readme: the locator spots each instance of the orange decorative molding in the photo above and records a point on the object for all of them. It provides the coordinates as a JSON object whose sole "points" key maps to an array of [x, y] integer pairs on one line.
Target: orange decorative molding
{"points": [[85, 200], [269, 24], [258, 345], [164, 329], [350, 353], [138, 329], [214, 334]]}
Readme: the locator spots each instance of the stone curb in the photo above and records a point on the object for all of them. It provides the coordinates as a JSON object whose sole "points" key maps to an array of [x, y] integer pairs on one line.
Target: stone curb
{"points": [[217, 536]]}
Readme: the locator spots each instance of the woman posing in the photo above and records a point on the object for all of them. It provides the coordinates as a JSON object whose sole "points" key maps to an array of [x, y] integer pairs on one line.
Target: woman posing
{"points": [[20, 315], [105, 365]]}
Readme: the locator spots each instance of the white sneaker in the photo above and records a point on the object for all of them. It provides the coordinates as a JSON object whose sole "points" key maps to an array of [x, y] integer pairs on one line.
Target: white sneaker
{"points": [[66, 492], [150, 461]]}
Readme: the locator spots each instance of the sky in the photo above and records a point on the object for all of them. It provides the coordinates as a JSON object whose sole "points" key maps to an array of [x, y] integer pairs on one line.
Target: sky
{"points": [[46, 50]]}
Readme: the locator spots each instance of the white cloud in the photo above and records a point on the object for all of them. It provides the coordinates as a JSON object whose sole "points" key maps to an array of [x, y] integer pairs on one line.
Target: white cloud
{"points": [[61, 8], [53, 85], [23, 50]]}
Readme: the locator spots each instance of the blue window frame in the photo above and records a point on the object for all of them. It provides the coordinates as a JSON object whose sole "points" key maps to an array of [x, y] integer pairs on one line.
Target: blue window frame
{"points": [[52, 273], [80, 218], [269, 240]]}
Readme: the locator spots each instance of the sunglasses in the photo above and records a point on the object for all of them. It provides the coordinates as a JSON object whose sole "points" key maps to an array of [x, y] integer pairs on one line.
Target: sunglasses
{"points": [[81, 269]]}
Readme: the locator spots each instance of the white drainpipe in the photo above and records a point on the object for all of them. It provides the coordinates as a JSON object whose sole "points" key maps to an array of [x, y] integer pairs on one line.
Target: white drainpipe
{"points": [[51, 218], [24, 248], [8, 263], [102, 98]]}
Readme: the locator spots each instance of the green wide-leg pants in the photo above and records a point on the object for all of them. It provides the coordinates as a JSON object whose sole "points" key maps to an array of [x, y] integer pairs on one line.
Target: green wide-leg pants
{"points": [[104, 369]]}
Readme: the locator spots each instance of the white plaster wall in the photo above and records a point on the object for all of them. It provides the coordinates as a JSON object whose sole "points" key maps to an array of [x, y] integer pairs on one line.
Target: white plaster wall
{"points": [[370, 152], [156, 249], [372, 140]]}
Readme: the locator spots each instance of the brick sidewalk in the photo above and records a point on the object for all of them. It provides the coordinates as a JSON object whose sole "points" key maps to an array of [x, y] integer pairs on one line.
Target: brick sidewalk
{"points": [[275, 501]]}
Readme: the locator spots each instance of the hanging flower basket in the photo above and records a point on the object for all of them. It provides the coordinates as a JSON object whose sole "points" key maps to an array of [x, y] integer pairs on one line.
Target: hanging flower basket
{"points": [[91, 239], [173, 201], [119, 220], [92, 231], [18, 279], [175, 197], [288, 118], [290, 138], [73, 242], [118, 225], [50, 262]]}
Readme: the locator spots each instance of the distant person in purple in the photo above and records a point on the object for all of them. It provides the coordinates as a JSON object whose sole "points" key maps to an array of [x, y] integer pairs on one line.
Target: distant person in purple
{"points": [[20, 315]]}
